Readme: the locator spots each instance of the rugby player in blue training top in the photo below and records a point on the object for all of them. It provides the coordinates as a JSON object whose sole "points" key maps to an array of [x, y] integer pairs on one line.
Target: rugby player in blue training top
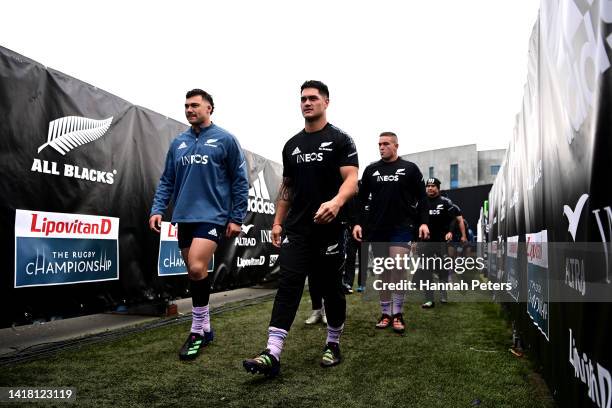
{"points": [[206, 176], [319, 176]]}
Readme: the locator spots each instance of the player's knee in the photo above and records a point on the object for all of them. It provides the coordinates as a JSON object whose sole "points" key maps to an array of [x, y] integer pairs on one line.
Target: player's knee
{"points": [[198, 270]]}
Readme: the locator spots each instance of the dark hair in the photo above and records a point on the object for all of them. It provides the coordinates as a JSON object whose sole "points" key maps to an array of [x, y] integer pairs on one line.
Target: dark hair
{"points": [[320, 86], [388, 134], [205, 95]]}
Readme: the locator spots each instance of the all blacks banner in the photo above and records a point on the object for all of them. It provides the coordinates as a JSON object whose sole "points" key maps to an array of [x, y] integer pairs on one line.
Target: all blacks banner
{"points": [[555, 181], [77, 161]]}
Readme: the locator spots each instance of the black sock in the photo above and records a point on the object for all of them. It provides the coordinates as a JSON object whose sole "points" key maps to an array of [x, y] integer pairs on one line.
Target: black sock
{"points": [[200, 291]]}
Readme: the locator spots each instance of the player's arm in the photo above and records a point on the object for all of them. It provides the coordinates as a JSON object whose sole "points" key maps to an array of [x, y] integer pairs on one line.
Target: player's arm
{"points": [[422, 205], [239, 187], [462, 229], [329, 209], [283, 204], [362, 202], [164, 191]]}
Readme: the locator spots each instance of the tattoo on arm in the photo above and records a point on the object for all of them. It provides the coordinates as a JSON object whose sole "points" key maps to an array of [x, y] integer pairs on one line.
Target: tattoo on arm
{"points": [[285, 192]]}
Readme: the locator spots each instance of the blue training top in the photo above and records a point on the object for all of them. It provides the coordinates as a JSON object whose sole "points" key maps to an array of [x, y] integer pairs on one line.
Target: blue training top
{"points": [[206, 176]]}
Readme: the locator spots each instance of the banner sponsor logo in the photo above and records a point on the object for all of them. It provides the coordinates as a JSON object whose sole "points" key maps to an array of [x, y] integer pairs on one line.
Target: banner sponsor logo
{"points": [[170, 260], [574, 41], [573, 216], [244, 241], [242, 262], [605, 240], [272, 260], [538, 292], [70, 132], [266, 236], [259, 197], [66, 134], [596, 377], [575, 274], [512, 267], [58, 248]]}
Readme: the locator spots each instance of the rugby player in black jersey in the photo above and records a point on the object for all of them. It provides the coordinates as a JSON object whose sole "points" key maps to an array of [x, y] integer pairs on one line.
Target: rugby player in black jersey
{"points": [[320, 168], [442, 212], [397, 213]]}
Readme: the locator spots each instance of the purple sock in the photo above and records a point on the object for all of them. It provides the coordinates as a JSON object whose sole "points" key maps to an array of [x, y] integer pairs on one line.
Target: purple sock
{"points": [[200, 320], [385, 306], [333, 333], [398, 302], [276, 340]]}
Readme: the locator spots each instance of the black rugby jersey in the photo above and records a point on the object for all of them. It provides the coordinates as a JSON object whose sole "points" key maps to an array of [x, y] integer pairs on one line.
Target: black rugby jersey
{"points": [[397, 194], [312, 161], [441, 212]]}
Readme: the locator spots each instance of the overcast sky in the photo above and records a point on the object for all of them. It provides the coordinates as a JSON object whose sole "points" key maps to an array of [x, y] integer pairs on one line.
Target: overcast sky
{"points": [[438, 73]]}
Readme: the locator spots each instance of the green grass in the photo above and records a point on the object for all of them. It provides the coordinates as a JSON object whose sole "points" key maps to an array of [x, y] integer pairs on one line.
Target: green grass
{"points": [[450, 356]]}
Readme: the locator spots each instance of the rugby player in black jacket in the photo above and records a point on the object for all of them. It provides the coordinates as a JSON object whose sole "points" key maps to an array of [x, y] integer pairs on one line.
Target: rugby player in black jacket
{"points": [[397, 215], [442, 212]]}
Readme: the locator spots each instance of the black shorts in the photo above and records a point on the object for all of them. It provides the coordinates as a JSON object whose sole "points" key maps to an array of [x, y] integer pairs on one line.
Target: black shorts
{"points": [[187, 231]]}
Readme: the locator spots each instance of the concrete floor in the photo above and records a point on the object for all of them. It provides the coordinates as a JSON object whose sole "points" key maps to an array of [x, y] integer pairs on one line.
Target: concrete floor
{"points": [[14, 339]]}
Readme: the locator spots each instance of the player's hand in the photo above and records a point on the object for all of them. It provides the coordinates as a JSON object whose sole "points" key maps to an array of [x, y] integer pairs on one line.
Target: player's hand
{"points": [[277, 229], [155, 222], [327, 212], [448, 236], [464, 239], [232, 230], [424, 231], [357, 233]]}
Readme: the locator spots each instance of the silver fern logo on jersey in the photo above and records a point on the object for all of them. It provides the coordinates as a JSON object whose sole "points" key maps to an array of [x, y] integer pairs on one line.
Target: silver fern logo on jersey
{"points": [[66, 134], [70, 132]]}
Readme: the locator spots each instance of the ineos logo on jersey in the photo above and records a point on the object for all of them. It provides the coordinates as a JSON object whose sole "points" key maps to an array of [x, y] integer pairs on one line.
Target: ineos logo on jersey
{"points": [[260, 202], [309, 157], [194, 159], [394, 177]]}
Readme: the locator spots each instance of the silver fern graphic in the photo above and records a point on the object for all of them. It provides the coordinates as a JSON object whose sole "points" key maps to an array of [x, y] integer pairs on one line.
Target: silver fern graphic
{"points": [[72, 131]]}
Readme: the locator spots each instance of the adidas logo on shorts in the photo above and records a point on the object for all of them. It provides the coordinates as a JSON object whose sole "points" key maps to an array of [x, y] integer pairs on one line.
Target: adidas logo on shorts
{"points": [[213, 232]]}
